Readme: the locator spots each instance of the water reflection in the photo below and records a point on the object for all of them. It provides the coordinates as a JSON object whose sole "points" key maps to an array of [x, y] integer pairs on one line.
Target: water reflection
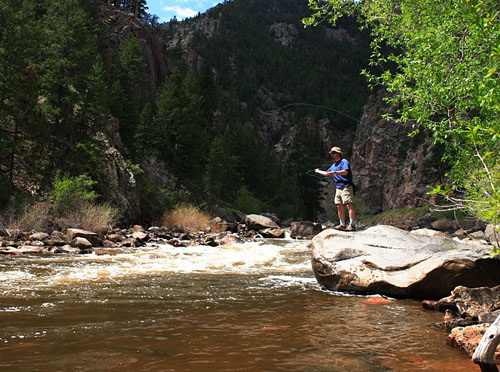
{"points": [[251, 307]]}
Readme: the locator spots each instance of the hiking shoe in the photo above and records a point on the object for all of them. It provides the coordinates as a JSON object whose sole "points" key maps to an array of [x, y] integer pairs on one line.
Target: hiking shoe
{"points": [[351, 228], [340, 227]]}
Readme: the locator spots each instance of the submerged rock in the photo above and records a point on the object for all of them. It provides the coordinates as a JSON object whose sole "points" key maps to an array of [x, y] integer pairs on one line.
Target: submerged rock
{"points": [[389, 261]]}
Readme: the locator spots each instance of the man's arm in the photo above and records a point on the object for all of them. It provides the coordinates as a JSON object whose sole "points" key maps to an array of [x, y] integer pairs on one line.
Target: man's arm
{"points": [[331, 173]]}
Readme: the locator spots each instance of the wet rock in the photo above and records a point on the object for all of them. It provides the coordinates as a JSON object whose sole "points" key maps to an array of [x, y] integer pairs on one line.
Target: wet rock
{"points": [[25, 249], [108, 244], [81, 243], [67, 249], [259, 222], [90, 236], [467, 339], [448, 325], [210, 241], [102, 252], [138, 228], [272, 233], [176, 243], [115, 237], [139, 235], [56, 241], [230, 239], [305, 230], [129, 242], [160, 232], [388, 261]]}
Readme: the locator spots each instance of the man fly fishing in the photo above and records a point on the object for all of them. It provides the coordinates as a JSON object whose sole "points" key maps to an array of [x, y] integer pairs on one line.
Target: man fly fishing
{"points": [[342, 175]]}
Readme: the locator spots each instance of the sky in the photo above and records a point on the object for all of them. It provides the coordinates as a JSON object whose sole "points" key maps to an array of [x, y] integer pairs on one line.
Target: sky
{"points": [[167, 9]]}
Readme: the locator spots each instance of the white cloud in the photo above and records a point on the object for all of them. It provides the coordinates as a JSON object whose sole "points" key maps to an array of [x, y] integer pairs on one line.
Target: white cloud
{"points": [[182, 12]]}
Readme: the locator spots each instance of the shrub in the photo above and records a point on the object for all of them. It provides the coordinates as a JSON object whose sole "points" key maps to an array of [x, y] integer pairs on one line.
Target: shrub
{"points": [[187, 218], [248, 203], [69, 192]]}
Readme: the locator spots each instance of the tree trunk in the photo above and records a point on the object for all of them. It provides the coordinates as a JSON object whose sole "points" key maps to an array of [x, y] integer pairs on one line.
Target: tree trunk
{"points": [[485, 351]]}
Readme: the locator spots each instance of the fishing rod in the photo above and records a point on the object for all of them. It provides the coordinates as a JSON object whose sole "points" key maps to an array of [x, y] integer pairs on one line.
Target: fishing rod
{"points": [[311, 172]]}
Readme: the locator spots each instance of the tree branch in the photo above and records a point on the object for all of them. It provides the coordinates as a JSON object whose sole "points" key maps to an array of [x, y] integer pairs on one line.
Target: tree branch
{"points": [[485, 351]]}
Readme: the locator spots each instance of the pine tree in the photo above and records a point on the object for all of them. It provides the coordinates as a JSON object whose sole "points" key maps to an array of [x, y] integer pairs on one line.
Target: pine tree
{"points": [[67, 53], [21, 129]]}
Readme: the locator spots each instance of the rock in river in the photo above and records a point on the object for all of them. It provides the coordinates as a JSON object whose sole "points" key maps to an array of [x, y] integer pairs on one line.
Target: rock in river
{"points": [[389, 261]]}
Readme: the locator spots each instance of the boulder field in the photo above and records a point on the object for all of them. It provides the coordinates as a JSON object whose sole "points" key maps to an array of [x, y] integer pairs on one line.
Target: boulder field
{"points": [[402, 264]]}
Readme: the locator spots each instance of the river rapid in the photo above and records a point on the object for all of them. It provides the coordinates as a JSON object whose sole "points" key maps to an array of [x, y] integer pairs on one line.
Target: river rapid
{"points": [[246, 307]]}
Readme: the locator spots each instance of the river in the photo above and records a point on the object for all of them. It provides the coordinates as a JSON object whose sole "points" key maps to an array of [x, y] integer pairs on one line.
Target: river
{"points": [[247, 307]]}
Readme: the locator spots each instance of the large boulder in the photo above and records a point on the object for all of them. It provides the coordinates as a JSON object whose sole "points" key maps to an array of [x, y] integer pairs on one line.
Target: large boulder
{"points": [[397, 263], [91, 237], [258, 222]]}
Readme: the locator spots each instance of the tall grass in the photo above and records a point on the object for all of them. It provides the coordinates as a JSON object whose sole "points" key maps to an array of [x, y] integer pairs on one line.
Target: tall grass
{"points": [[33, 217], [93, 217], [187, 218], [44, 216]]}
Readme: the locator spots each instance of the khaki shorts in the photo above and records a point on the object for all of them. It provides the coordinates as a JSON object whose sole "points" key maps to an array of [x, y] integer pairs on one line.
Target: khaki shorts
{"points": [[344, 196]]}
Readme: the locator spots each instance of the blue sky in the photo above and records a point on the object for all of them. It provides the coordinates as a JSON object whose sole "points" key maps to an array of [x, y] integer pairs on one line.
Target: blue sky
{"points": [[167, 9]]}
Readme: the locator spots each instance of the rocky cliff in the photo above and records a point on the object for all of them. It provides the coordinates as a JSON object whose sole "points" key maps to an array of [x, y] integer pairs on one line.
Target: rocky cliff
{"points": [[120, 24], [392, 169]]}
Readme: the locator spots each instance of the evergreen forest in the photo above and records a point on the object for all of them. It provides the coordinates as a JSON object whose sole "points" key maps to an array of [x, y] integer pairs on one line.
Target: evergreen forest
{"points": [[63, 89]]}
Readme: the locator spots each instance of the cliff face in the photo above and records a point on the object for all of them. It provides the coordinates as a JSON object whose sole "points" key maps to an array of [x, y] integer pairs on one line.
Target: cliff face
{"points": [[119, 25], [391, 169]]}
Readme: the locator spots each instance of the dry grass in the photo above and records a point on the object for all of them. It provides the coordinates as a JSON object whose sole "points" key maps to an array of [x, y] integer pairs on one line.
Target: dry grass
{"points": [[34, 217], [42, 216], [187, 218], [97, 218]]}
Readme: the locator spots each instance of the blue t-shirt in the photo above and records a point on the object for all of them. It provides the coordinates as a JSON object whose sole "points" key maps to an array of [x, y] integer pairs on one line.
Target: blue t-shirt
{"points": [[341, 181]]}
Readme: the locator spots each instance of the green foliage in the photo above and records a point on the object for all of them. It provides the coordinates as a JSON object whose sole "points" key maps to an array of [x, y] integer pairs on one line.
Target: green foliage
{"points": [[70, 192], [130, 87], [22, 132], [247, 203], [251, 58], [446, 78]]}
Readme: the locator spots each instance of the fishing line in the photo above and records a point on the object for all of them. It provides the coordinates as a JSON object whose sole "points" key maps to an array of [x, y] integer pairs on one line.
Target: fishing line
{"points": [[311, 173], [315, 175]]}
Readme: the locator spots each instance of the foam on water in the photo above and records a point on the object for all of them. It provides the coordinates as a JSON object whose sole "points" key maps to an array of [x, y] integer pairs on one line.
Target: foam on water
{"points": [[247, 258]]}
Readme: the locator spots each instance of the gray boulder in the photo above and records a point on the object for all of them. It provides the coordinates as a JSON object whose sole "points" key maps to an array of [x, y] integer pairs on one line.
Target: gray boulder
{"points": [[397, 263], [258, 222]]}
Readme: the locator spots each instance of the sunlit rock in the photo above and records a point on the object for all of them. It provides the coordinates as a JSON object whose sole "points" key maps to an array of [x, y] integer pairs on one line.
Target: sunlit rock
{"points": [[389, 261], [258, 222]]}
